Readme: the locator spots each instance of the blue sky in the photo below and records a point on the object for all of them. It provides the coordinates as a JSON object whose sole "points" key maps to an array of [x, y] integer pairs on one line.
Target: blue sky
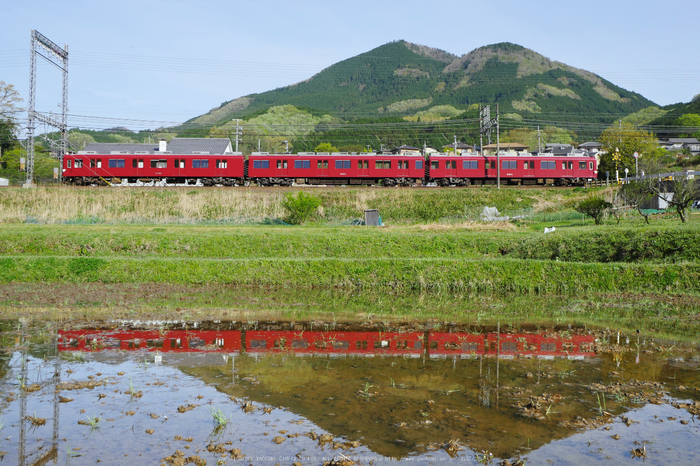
{"points": [[149, 63]]}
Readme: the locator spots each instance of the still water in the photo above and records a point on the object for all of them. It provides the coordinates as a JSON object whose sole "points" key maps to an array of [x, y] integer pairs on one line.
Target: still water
{"points": [[324, 392]]}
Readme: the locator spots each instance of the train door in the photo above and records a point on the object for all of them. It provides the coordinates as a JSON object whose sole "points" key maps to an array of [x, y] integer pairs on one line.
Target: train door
{"points": [[137, 166], [363, 168], [322, 167], [451, 168], [403, 168], [490, 168], [281, 165], [567, 168], [220, 167], [529, 169]]}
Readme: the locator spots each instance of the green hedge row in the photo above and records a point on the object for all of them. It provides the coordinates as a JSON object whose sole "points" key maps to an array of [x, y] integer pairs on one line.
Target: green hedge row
{"points": [[670, 244], [501, 275]]}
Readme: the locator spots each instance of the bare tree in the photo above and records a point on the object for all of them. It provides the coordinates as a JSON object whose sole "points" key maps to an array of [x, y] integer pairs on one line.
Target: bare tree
{"points": [[9, 98], [678, 193], [638, 194]]}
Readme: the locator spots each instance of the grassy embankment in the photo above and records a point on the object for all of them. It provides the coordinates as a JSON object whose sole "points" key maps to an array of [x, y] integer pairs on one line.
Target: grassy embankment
{"points": [[184, 238]]}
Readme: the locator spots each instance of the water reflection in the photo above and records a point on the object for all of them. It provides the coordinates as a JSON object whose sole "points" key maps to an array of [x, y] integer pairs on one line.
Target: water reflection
{"points": [[314, 390]]}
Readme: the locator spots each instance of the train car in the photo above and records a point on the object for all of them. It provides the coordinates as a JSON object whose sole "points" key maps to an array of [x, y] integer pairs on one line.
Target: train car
{"points": [[86, 169], [150, 340], [540, 346], [335, 169], [465, 170], [511, 345], [334, 343]]}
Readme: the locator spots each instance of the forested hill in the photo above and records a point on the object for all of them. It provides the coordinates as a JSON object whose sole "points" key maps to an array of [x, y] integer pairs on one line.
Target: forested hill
{"points": [[407, 80]]}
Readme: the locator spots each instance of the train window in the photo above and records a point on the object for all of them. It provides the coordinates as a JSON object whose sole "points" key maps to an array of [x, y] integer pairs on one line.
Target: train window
{"points": [[493, 164], [78, 163], [195, 343], [361, 345], [261, 164], [402, 344], [115, 163], [509, 346], [469, 346], [154, 343], [548, 347], [590, 165], [582, 165], [68, 163], [92, 163], [509, 164], [341, 344], [199, 163], [302, 164], [382, 164], [451, 164], [571, 165], [548, 165], [529, 165], [175, 343], [434, 165], [325, 164], [322, 164], [135, 163], [418, 344], [470, 164], [179, 163], [419, 164], [342, 164], [221, 164], [158, 163], [258, 343], [300, 344]]}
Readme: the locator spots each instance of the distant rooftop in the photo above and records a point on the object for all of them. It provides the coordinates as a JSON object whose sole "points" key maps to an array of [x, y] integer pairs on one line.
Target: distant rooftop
{"points": [[183, 146]]}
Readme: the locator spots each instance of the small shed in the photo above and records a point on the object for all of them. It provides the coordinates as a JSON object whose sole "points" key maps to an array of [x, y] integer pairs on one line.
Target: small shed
{"points": [[372, 218]]}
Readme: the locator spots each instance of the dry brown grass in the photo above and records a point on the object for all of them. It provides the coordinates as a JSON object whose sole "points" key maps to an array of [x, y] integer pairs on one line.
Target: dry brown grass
{"points": [[127, 205], [473, 226]]}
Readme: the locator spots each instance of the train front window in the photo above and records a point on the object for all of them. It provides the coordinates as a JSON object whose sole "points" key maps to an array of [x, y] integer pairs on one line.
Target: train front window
{"points": [[68, 163]]}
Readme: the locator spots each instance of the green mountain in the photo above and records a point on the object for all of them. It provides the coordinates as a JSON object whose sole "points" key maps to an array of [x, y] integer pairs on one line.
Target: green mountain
{"points": [[411, 81]]}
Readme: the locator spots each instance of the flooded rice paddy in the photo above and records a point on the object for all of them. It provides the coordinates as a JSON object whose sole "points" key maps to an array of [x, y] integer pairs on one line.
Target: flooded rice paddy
{"points": [[323, 392]]}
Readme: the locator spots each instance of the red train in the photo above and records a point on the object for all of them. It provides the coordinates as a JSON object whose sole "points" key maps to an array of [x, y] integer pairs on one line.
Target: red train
{"points": [[332, 343], [86, 169]]}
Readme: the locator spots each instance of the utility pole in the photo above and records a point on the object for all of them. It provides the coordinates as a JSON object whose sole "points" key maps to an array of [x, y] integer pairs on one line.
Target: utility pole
{"points": [[539, 141], [455, 144], [58, 57], [486, 123], [498, 148], [239, 131]]}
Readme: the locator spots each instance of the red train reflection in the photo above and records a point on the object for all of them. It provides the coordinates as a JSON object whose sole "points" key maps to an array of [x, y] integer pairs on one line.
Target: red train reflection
{"points": [[415, 344]]}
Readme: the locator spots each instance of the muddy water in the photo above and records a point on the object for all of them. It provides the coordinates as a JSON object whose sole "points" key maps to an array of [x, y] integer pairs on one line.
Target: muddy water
{"points": [[316, 392]]}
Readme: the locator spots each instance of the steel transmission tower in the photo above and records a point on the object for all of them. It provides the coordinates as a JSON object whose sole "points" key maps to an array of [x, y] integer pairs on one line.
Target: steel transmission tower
{"points": [[58, 57]]}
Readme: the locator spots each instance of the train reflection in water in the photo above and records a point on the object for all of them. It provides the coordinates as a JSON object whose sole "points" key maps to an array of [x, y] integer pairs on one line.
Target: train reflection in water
{"points": [[334, 343]]}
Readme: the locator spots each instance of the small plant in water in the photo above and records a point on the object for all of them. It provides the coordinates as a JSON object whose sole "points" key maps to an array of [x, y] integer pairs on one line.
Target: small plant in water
{"points": [[94, 422], [486, 457], [601, 407], [365, 391], [219, 417]]}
